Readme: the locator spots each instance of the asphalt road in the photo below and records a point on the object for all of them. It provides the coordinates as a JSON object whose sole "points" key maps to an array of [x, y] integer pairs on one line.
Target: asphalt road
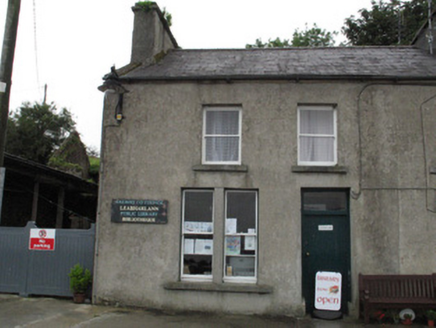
{"points": [[44, 312]]}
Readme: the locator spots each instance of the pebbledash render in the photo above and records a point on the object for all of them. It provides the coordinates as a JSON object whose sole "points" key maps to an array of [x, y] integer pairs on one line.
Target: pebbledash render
{"points": [[231, 178]]}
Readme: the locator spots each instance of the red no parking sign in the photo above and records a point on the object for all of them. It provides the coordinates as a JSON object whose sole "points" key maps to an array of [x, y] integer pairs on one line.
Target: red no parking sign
{"points": [[42, 239]]}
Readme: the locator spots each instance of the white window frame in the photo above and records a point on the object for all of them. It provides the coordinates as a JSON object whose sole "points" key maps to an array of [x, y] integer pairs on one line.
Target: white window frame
{"points": [[205, 136], [196, 277], [220, 237], [241, 279], [331, 108]]}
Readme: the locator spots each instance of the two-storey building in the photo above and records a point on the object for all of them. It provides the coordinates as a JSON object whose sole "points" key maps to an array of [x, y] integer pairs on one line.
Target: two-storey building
{"points": [[230, 177]]}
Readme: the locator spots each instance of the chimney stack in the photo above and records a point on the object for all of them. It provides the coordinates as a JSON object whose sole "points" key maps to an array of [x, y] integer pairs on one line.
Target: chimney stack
{"points": [[151, 34]]}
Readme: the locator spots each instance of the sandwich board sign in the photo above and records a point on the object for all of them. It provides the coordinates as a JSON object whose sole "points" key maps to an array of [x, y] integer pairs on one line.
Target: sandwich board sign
{"points": [[42, 239], [328, 291]]}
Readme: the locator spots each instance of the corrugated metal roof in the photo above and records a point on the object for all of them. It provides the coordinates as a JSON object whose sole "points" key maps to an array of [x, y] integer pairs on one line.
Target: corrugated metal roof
{"points": [[402, 62]]}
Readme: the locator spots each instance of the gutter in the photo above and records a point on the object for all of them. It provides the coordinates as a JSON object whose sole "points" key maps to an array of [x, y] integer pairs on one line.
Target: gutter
{"points": [[292, 77]]}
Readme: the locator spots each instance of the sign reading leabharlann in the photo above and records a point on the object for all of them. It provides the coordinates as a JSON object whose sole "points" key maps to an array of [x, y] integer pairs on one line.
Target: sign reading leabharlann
{"points": [[139, 211], [328, 291], [42, 239]]}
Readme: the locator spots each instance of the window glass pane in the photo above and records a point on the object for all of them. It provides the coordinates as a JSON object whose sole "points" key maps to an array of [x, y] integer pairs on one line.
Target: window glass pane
{"points": [[317, 149], [240, 246], [240, 266], [197, 243], [222, 122], [222, 149], [325, 201], [197, 258], [316, 122], [241, 207], [198, 206]]}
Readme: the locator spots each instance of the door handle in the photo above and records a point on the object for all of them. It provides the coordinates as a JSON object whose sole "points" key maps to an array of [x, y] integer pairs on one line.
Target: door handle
{"points": [[307, 254]]}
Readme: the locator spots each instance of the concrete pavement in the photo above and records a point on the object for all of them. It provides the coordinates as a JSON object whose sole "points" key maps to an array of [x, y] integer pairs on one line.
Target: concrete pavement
{"points": [[44, 312]]}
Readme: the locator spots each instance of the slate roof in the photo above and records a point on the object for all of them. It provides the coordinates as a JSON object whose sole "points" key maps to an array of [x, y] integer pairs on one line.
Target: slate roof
{"points": [[399, 62]]}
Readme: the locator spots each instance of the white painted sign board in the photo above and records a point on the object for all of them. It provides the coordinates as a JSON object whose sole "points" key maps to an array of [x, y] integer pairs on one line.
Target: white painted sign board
{"points": [[328, 291], [325, 227]]}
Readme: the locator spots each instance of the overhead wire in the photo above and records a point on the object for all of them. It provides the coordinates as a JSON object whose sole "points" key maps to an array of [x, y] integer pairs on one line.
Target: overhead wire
{"points": [[35, 43]]}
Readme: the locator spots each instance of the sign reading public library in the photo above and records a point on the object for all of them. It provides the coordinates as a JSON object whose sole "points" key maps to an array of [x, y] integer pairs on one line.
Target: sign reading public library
{"points": [[139, 211]]}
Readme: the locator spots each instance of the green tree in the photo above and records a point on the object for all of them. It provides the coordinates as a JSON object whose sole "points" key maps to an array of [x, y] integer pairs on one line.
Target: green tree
{"points": [[387, 23], [313, 37], [277, 43], [35, 131], [310, 37]]}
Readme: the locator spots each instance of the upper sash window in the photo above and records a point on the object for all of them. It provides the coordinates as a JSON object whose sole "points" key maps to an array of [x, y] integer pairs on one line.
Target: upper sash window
{"points": [[317, 135], [222, 135]]}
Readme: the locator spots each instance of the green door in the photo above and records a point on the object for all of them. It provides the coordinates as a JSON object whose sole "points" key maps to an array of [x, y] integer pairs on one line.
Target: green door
{"points": [[325, 240]]}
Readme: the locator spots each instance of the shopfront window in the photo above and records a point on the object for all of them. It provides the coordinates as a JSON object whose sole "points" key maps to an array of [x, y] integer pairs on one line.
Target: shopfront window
{"points": [[240, 248], [197, 241], [237, 237]]}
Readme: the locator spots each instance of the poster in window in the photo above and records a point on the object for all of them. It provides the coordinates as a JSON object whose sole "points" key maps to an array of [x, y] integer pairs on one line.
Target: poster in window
{"points": [[233, 245], [250, 243], [190, 226], [203, 246], [231, 225], [206, 227], [189, 246], [197, 227]]}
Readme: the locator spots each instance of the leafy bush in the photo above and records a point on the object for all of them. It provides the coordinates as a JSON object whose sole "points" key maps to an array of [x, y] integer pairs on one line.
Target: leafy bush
{"points": [[80, 279]]}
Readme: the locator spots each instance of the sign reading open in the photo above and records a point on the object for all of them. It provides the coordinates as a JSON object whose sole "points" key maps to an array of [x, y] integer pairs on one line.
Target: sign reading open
{"points": [[328, 290]]}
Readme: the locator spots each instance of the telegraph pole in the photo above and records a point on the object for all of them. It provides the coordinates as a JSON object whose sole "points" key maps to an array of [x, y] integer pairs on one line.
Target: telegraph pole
{"points": [[6, 64]]}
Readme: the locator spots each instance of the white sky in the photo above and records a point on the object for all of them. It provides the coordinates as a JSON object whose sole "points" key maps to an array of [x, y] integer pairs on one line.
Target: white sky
{"points": [[78, 41]]}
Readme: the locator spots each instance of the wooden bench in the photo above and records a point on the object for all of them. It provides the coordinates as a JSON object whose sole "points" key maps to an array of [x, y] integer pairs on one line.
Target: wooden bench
{"points": [[396, 292]]}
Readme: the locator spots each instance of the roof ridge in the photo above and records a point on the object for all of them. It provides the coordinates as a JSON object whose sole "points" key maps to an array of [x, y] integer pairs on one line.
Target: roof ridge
{"points": [[295, 48]]}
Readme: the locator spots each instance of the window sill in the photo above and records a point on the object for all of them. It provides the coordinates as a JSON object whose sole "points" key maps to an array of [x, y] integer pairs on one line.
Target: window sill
{"points": [[220, 168], [320, 169], [222, 288]]}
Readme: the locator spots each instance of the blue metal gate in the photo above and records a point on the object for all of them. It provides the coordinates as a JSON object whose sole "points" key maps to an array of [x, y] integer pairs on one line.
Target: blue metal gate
{"points": [[30, 272]]}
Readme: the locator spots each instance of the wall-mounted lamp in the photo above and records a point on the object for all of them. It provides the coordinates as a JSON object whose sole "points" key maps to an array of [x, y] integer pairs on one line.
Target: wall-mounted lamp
{"points": [[2, 87], [112, 84]]}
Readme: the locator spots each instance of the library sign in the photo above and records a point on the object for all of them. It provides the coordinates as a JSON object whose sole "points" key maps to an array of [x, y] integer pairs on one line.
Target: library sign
{"points": [[139, 211]]}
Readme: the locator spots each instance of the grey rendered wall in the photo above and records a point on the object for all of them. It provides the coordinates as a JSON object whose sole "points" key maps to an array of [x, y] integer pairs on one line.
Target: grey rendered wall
{"points": [[398, 191], [152, 153]]}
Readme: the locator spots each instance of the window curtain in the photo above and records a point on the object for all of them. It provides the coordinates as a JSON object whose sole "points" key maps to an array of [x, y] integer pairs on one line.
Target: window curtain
{"points": [[222, 136], [317, 136]]}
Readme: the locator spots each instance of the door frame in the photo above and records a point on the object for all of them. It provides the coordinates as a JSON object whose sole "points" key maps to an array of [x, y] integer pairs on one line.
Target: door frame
{"points": [[347, 283]]}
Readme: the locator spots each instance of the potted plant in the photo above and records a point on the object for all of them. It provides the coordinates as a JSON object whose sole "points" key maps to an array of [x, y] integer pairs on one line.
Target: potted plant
{"points": [[407, 319], [431, 317], [80, 280], [395, 316]]}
